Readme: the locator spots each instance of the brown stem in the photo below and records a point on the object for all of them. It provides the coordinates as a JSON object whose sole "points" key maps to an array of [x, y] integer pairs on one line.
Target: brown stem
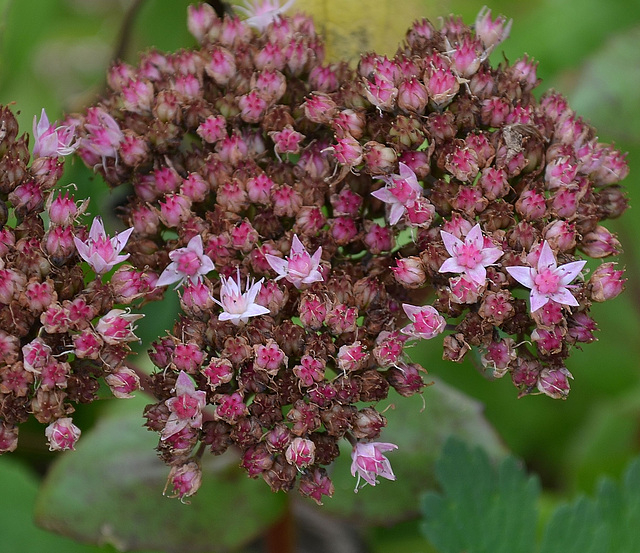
{"points": [[280, 537], [125, 30]]}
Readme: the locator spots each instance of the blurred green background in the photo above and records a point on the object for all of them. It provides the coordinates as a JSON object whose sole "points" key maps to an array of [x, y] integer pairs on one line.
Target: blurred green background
{"points": [[54, 53]]}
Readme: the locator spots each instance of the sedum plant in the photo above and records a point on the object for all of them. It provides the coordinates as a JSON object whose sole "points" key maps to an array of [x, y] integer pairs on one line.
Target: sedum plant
{"points": [[316, 219]]}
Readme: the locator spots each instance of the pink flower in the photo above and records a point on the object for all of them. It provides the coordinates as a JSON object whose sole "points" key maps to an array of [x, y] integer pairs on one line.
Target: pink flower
{"points": [[548, 281], [369, 462], [238, 307], [261, 13], [185, 408], [190, 263], [62, 434], [400, 192], [299, 268], [100, 251], [469, 257], [116, 326], [426, 322], [52, 141]]}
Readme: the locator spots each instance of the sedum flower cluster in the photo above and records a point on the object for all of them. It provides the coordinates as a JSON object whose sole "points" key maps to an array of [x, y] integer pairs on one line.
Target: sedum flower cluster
{"points": [[317, 218], [62, 329]]}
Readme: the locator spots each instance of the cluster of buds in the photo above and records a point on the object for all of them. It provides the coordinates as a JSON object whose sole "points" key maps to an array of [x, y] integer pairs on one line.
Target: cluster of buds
{"points": [[60, 328], [306, 211]]}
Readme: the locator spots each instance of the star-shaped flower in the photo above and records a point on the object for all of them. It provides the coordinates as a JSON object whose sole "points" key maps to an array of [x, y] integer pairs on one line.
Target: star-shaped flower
{"points": [[369, 462], [299, 268], [400, 192], [52, 141], [470, 257], [100, 251], [548, 281], [238, 307], [261, 13], [185, 407], [190, 263], [426, 322]]}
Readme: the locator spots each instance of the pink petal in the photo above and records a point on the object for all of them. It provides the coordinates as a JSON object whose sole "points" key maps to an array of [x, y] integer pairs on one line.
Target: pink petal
{"points": [[569, 271], [278, 264], [296, 246], [474, 237], [169, 276], [537, 300], [524, 275], [384, 195], [97, 230], [478, 274], [491, 255], [451, 265], [564, 296], [411, 310], [546, 260], [195, 245], [396, 211], [451, 243]]}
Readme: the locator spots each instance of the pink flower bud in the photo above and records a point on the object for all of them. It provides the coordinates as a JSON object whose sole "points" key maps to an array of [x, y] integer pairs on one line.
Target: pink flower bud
{"points": [[499, 356], [252, 107], [218, 372], [494, 111], [524, 70], [319, 108], [58, 243], [409, 272], [441, 85], [491, 32], [222, 65], [137, 96], [377, 239], [62, 434], [561, 235], [200, 19], [412, 96], [184, 480], [347, 151], [581, 327], [309, 371], [606, 282], [116, 326], [378, 158], [316, 483], [600, 243], [343, 230], [352, 357], [63, 210], [175, 210], [554, 382], [531, 205], [301, 453], [269, 357], [312, 311], [229, 408], [188, 357], [123, 382]]}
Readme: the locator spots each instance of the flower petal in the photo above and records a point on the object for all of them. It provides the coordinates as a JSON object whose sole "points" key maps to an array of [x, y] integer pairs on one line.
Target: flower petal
{"points": [[524, 275], [570, 271], [451, 242]]}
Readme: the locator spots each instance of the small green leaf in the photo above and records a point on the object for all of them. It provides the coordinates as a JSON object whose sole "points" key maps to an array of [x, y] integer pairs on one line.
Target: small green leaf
{"points": [[486, 509], [481, 509], [419, 431], [19, 533], [110, 491]]}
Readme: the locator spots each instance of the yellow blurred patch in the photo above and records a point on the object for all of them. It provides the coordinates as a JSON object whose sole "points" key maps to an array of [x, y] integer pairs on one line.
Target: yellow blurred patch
{"points": [[352, 27]]}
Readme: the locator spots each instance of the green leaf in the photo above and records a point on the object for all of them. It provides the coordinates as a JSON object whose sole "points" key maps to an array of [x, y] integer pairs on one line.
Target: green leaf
{"points": [[420, 432], [487, 509], [19, 533], [110, 490], [481, 509]]}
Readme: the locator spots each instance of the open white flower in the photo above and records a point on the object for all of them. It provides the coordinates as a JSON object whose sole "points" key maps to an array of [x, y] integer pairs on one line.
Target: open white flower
{"points": [[238, 307]]}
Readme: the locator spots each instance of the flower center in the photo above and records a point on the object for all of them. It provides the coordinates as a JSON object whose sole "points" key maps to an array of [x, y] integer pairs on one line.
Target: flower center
{"points": [[186, 407], [469, 256], [189, 263], [547, 282]]}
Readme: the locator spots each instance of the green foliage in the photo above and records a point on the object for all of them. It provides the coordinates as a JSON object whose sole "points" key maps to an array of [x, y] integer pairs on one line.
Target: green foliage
{"points": [[420, 431], [110, 491], [493, 509]]}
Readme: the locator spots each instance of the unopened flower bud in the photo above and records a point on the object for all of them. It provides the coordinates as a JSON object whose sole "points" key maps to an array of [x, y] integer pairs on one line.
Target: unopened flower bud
{"points": [[62, 434], [606, 282]]}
